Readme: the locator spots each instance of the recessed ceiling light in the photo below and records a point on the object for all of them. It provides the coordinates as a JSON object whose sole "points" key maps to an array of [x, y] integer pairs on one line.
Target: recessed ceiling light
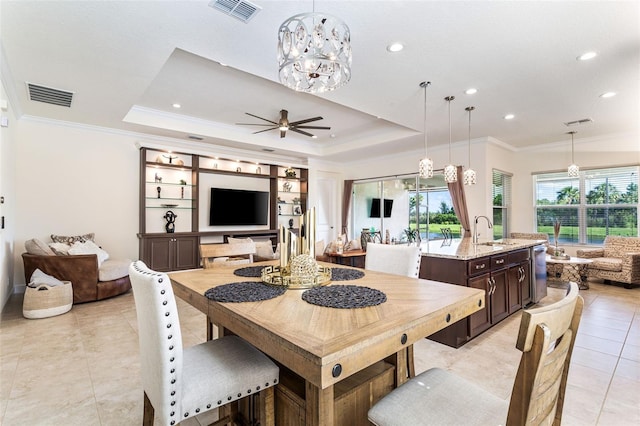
{"points": [[587, 56], [314, 137], [176, 106], [509, 117], [471, 91], [608, 95], [395, 47]]}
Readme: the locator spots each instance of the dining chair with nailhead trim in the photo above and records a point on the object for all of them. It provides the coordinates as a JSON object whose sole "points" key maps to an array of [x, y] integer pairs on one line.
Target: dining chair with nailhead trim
{"points": [[179, 382]]}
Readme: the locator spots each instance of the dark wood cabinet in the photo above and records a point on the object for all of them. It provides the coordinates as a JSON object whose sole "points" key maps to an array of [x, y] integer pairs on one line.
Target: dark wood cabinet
{"points": [[172, 182], [166, 253], [481, 320], [505, 278]]}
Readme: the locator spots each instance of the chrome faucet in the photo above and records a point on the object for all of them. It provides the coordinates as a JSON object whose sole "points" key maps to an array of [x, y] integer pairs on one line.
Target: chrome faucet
{"points": [[475, 227]]}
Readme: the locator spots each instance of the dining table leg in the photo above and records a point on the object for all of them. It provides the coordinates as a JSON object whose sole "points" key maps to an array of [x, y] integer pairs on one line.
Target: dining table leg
{"points": [[400, 360], [318, 405]]}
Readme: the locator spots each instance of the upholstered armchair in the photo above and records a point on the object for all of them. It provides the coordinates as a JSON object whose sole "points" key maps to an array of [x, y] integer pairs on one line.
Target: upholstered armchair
{"points": [[618, 260], [90, 281]]}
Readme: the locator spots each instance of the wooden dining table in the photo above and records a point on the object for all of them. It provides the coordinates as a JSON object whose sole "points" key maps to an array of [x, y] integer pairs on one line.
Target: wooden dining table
{"points": [[324, 346]]}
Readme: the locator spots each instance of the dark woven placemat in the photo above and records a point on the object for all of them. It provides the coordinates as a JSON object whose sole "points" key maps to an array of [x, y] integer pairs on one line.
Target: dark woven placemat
{"points": [[344, 274], [249, 272], [344, 296], [246, 291]]}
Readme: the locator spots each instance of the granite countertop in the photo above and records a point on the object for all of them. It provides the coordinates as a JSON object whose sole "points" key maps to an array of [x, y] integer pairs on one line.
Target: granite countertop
{"points": [[464, 249]]}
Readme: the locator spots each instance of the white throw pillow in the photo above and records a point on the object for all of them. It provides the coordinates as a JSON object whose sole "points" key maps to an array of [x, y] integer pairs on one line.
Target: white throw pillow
{"points": [[37, 247], [264, 250], [89, 247], [232, 240], [38, 278], [60, 249]]}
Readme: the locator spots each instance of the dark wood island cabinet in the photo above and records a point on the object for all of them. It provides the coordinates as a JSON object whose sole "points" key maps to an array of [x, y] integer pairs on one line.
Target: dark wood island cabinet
{"points": [[502, 269]]}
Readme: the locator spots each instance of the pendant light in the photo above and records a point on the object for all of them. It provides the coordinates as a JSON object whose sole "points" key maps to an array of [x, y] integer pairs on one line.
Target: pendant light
{"points": [[314, 52], [574, 169], [469, 174], [450, 171], [425, 167]]}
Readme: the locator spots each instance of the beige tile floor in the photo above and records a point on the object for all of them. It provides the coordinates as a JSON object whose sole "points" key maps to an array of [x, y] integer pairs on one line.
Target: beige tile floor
{"points": [[82, 368]]}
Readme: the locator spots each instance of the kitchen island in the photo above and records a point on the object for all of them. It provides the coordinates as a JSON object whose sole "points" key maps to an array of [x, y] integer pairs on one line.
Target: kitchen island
{"points": [[510, 271]]}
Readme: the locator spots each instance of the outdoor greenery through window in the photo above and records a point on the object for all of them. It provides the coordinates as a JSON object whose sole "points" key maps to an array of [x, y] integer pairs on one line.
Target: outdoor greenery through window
{"points": [[598, 203], [402, 206], [501, 192]]}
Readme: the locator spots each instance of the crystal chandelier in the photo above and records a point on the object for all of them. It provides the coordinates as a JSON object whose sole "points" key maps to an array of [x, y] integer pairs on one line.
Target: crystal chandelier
{"points": [[574, 169], [469, 174], [425, 167], [450, 171], [314, 52]]}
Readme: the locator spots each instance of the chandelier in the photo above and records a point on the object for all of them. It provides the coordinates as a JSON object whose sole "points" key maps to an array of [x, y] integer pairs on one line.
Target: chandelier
{"points": [[450, 171], [574, 169], [425, 167], [314, 52], [469, 176]]}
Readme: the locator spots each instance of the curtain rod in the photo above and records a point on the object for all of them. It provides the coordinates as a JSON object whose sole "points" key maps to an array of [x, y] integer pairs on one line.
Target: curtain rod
{"points": [[394, 176]]}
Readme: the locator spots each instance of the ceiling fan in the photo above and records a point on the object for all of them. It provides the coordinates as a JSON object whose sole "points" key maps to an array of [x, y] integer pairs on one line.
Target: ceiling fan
{"points": [[283, 124]]}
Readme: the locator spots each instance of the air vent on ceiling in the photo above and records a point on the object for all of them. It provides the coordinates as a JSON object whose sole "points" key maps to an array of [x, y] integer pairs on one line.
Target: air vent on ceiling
{"points": [[578, 122], [239, 9], [49, 95]]}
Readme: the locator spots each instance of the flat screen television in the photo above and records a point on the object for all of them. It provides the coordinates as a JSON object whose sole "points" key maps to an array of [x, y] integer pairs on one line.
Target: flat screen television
{"points": [[238, 207], [375, 207]]}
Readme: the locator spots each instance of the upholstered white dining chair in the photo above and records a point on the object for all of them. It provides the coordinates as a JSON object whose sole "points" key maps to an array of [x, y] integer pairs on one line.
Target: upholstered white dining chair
{"points": [[181, 383], [546, 339], [393, 259], [398, 260]]}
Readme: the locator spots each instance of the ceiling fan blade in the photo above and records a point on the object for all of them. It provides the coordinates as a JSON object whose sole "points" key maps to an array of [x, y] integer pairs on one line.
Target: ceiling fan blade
{"points": [[252, 124], [265, 130], [312, 127], [294, 129], [253, 115], [307, 120]]}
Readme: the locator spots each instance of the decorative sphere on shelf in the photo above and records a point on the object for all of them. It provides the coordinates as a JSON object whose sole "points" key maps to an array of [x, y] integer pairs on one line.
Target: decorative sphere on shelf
{"points": [[303, 266]]}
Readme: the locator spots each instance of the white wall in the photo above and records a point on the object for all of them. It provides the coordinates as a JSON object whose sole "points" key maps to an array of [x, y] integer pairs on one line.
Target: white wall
{"points": [[7, 190], [71, 181]]}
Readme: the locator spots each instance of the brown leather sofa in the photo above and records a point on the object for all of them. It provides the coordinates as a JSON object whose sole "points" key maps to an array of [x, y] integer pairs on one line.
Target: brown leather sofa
{"points": [[82, 270]]}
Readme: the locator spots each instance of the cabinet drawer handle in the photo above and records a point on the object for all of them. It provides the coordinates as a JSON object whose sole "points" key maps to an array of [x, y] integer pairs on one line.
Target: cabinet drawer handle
{"points": [[500, 261], [480, 266]]}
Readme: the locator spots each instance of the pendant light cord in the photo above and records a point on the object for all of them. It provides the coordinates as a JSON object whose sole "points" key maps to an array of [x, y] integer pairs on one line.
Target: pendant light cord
{"points": [[469, 109], [425, 84], [572, 133], [449, 99]]}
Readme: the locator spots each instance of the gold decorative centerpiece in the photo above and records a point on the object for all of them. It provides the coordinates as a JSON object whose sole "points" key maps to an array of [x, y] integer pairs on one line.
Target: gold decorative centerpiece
{"points": [[558, 254], [298, 267]]}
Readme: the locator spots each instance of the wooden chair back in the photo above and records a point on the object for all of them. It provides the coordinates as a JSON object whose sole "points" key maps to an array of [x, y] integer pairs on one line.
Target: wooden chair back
{"points": [[546, 339], [208, 252]]}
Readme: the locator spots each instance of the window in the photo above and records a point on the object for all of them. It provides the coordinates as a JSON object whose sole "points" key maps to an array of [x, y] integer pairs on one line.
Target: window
{"points": [[398, 204], [501, 193], [598, 203]]}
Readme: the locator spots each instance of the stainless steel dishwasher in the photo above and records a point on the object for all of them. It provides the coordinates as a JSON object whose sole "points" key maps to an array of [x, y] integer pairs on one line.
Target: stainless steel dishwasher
{"points": [[539, 275]]}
